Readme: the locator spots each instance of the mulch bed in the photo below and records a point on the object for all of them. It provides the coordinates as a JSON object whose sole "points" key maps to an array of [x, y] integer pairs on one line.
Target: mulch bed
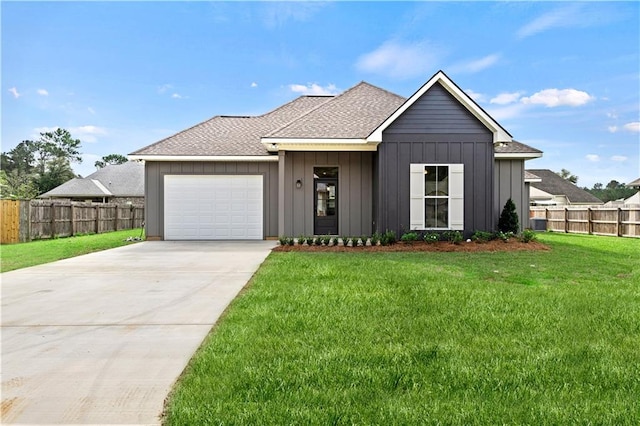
{"points": [[420, 246]]}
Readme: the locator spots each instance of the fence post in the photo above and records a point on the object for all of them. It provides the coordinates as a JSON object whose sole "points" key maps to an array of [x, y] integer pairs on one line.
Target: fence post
{"points": [[73, 219], [115, 225], [566, 220], [589, 218], [52, 213], [619, 223], [97, 219]]}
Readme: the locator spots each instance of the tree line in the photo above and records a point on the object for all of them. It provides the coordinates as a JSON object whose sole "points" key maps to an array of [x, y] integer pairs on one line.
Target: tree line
{"points": [[34, 167], [612, 191]]}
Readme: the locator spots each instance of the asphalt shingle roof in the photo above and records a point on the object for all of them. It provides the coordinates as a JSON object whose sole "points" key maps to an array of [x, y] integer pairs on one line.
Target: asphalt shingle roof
{"points": [[515, 147], [228, 136], [556, 185], [123, 180], [354, 114]]}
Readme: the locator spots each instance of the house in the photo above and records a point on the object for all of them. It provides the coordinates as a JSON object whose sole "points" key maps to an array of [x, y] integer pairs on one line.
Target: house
{"points": [[364, 161], [111, 184], [552, 190]]}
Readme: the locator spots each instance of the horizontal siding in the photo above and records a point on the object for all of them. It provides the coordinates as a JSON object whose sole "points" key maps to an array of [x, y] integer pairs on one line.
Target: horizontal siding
{"points": [[437, 111], [154, 188]]}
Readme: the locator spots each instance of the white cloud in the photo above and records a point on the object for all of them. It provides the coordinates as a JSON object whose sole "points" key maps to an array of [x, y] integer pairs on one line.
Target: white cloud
{"points": [[15, 93], [164, 88], [313, 89], [632, 127], [43, 92], [478, 97], [400, 60], [574, 15], [612, 115], [593, 157], [254, 84], [506, 98], [557, 97], [276, 14], [476, 65], [619, 158], [177, 96], [612, 129]]}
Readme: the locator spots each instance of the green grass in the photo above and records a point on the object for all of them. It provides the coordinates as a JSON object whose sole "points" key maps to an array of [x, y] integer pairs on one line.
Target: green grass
{"points": [[16, 256], [427, 338]]}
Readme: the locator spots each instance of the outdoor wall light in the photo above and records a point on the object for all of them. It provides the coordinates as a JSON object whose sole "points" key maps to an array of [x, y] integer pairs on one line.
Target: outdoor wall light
{"points": [[299, 183]]}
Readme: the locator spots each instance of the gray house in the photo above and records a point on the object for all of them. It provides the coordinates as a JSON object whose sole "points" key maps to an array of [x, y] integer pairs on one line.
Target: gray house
{"points": [[363, 161], [111, 184]]}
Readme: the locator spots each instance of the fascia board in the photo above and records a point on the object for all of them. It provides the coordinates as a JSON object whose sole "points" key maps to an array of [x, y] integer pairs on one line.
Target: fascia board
{"points": [[221, 158], [515, 156]]}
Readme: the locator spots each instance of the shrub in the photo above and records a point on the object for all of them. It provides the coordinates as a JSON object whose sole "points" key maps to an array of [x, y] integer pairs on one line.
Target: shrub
{"points": [[388, 238], [409, 237], [326, 240], [301, 240], [310, 241], [508, 221], [482, 236], [375, 238], [282, 240], [454, 237], [504, 236], [528, 235], [431, 237], [345, 240]]}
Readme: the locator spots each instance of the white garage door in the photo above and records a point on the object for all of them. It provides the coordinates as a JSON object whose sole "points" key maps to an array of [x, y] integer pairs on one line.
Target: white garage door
{"points": [[205, 207]]}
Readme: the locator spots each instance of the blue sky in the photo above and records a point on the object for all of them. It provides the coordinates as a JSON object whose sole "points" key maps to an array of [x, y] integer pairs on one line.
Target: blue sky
{"points": [[562, 77]]}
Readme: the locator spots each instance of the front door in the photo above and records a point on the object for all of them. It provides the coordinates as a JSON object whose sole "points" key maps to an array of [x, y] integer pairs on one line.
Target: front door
{"points": [[325, 206]]}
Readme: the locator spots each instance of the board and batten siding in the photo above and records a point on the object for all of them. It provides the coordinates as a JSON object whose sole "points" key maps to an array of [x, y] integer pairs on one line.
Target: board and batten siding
{"points": [[154, 188], [436, 129], [354, 191], [509, 183]]}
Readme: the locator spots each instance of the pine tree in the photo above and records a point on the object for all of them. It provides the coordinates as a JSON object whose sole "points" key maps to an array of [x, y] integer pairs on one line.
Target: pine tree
{"points": [[509, 218]]}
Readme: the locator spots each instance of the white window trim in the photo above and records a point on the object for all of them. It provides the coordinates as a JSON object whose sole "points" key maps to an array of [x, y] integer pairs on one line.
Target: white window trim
{"points": [[455, 197]]}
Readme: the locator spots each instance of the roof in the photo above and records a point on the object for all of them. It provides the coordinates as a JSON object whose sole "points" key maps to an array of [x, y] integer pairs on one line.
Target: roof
{"points": [[354, 114], [554, 184], [635, 183], [352, 120], [232, 136], [504, 149], [122, 180], [530, 177]]}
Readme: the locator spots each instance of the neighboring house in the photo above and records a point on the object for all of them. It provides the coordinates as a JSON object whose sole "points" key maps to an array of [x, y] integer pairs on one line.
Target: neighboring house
{"points": [[111, 184], [364, 161], [552, 190], [634, 200]]}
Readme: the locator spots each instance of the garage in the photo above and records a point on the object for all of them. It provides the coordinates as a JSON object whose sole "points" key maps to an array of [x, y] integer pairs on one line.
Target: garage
{"points": [[213, 207]]}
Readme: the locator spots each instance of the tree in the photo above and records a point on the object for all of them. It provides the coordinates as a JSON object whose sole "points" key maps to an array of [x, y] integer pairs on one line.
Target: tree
{"points": [[566, 175], [111, 160], [614, 190], [41, 165], [508, 221]]}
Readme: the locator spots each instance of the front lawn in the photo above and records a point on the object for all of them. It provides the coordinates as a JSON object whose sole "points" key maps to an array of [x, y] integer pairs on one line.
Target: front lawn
{"points": [[22, 255], [546, 337]]}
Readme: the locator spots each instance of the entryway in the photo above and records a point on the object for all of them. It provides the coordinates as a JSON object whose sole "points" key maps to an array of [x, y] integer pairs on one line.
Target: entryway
{"points": [[325, 187]]}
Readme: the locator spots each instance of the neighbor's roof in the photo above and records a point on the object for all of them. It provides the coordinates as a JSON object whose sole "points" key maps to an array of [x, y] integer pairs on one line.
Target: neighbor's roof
{"points": [[123, 180], [553, 184], [634, 183]]}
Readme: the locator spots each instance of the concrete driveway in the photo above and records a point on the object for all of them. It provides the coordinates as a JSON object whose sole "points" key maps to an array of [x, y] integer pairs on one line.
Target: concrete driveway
{"points": [[101, 338]]}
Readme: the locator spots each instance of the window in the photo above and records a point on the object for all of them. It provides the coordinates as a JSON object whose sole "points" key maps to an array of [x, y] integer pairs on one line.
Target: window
{"points": [[437, 196]]}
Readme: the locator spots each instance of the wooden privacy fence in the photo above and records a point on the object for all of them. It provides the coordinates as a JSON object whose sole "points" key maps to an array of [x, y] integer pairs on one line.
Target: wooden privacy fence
{"points": [[616, 221], [27, 220]]}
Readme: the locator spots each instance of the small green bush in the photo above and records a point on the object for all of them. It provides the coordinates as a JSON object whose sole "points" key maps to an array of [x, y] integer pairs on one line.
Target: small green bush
{"points": [[326, 240], [482, 236], [375, 238], [282, 240], [528, 235], [431, 237], [454, 237], [408, 237], [345, 240], [505, 236], [388, 238]]}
